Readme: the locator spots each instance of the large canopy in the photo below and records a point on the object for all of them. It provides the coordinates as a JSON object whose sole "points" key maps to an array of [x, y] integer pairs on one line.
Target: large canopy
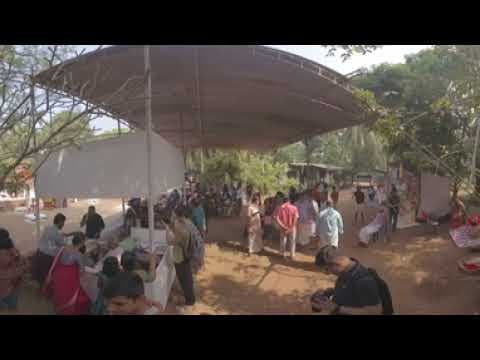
{"points": [[249, 97]]}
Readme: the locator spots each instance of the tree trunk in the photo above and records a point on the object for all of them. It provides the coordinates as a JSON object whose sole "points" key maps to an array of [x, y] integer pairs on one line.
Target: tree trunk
{"points": [[477, 176]]}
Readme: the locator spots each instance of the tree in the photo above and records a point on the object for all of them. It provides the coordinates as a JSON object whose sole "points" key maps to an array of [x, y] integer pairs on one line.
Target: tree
{"points": [[40, 120], [109, 134], [348, 51], [418, 118], [260, 170]]}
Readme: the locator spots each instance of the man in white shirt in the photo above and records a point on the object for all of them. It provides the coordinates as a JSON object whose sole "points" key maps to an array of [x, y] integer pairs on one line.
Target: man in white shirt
{"points": [[51, 241]]}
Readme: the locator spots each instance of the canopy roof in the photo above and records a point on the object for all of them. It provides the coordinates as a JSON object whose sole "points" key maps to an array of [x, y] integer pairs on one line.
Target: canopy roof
{"points": [[232, 96]]}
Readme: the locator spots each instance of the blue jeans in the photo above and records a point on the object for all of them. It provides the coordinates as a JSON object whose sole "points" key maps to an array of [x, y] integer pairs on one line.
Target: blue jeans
{"points": [[9, 303]]}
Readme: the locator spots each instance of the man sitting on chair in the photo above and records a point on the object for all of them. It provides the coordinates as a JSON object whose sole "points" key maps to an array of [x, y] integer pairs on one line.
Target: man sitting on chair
{"points": [[374, 227]]}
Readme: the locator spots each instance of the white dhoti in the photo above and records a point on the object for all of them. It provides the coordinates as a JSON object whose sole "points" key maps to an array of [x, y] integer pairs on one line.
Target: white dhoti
{"points": [[305, 232], [330, 239]]}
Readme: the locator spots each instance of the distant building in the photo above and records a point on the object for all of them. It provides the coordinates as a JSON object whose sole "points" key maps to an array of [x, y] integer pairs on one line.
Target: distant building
{"points": [[310, 174]]}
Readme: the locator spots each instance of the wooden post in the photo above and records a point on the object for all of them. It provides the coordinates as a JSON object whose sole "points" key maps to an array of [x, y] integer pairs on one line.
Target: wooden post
{"points": [[148, 134], [35, 182]]}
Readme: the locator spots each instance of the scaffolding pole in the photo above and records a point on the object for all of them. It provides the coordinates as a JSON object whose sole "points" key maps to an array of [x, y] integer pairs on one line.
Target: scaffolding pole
{"points": [[148, 134], [119, 134], [35, 182]]}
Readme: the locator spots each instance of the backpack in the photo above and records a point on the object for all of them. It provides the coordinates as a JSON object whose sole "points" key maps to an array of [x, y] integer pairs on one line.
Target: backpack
{"points": [[384, 291], [193, 249]]}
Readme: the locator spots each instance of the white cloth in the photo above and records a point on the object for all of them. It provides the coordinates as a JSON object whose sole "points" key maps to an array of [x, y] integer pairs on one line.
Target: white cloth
{"points": [[159, 289], [305, 232], [63, 173], [329, 226], [255, 241], [367, 231], [291, 238]]}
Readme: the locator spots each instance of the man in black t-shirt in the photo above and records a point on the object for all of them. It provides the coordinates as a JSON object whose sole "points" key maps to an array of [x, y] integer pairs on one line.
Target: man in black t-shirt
{"points": [[394, 208], [94, 223], [356, 291], [360, 204]]}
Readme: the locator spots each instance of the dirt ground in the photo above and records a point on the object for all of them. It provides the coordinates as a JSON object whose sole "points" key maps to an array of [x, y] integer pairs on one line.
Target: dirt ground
{"points": [[419, 267]]}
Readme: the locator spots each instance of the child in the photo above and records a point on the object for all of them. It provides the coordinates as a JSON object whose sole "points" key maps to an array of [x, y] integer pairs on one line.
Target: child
{"points": [[110, 269]]}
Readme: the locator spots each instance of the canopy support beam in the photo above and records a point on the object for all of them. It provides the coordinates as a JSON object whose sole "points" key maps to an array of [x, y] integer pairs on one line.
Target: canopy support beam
{"points": [[35, 182], [148, 134], [119, 134]]}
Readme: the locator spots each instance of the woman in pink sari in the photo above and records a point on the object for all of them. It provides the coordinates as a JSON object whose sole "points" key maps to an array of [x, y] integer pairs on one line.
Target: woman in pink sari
{"points": [[63, 280]]}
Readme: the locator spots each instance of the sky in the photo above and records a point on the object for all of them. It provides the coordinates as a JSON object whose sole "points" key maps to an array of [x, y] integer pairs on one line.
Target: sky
{"points": [[386, 54]]}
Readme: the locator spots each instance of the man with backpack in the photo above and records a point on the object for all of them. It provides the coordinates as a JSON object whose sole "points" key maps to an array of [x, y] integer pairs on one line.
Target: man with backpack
{"points": [[188, 252], [358, 291]]}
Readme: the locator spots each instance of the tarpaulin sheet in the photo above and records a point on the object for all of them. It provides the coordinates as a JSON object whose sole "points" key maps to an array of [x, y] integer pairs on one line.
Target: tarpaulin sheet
{"points": [[113, 168], [434, 195]]}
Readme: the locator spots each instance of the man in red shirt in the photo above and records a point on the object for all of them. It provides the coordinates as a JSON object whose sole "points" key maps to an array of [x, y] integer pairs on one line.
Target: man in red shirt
{"points": [[287, 218]]}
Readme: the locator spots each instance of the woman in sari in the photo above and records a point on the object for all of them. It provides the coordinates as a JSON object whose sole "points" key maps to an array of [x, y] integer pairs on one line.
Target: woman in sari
{"points": [[12, 267], [254, 227], [63, 279]]}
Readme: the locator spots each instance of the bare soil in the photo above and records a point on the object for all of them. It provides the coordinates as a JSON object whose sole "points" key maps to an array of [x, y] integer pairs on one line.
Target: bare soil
{"points": [[419, 267]]}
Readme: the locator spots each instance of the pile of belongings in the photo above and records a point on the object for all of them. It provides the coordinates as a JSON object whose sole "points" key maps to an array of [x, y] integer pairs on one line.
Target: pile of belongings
{"points": [[468, 235], [470, 264]]}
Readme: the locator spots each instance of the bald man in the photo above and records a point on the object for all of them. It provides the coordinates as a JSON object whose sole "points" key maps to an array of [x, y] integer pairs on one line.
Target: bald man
{"points": [[356, 291]]}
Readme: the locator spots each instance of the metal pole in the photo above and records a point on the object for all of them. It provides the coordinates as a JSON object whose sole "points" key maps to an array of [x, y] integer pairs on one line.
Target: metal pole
{"points": [[35, 182], [148, 133], [120, 133], [474, 158], [182, 134]]}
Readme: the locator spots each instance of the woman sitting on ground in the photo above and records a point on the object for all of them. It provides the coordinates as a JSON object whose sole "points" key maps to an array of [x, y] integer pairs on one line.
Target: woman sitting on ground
{"points": [[63, 279], [375, 226], [110, 269], [12, 267], [129, 264]]}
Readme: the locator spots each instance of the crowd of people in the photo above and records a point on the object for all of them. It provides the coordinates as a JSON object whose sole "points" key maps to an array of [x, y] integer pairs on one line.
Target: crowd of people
{"points": [[295, 220], [299, 219]]}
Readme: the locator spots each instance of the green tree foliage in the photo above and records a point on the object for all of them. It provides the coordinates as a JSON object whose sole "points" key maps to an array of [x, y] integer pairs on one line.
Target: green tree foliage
{"points": [[109, 134], [421, 112], [56, 121], [347, 51], [260, 170]]}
